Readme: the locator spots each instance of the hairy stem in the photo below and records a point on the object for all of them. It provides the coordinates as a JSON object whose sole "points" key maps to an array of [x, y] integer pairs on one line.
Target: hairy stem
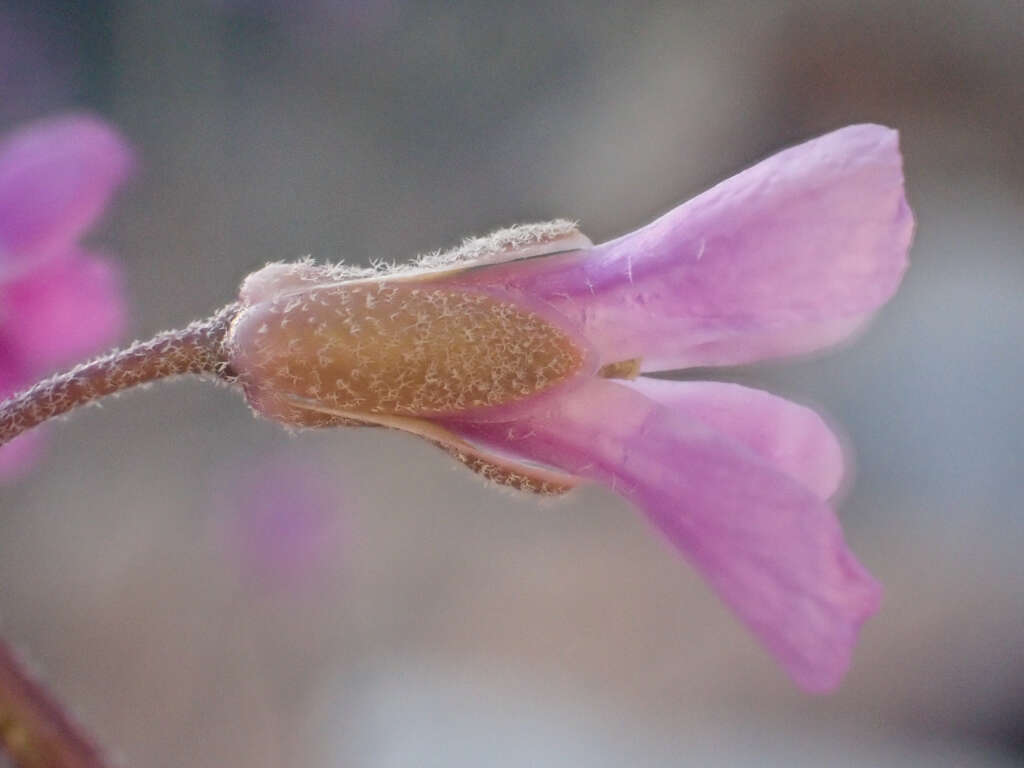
{"points": [[197, 349], [34, 731]]}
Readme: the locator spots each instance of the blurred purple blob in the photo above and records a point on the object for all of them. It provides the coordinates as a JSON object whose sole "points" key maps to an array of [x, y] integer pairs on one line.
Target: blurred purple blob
{"points": [[282, 519], [58, 301]]}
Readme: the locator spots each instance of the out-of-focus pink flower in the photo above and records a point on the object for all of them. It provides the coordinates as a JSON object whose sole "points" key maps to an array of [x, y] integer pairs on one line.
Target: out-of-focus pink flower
{"points": [[518, 353], [282, 517], [58, 300]]}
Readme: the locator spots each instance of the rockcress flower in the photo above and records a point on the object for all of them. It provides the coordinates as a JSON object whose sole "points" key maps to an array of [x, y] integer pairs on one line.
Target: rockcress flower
{"points": [[58, 301], [519, 354]]}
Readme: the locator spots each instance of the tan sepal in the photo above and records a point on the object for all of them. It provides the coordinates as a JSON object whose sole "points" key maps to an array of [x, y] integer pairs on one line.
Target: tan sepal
{"points": [[523, 241], [491, 465]]}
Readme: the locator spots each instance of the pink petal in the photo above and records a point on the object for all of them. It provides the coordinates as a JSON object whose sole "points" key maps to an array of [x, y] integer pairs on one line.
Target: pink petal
{"points": [[784, 258], [769, 547], [55, 179], [792, 437], [63, 310]]}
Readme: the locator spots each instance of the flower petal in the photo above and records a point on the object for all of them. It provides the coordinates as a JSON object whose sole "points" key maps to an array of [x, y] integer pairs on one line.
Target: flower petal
{"points": [[55, 179], [770, 548], [784, 258], [792, 437], [62, 310]]}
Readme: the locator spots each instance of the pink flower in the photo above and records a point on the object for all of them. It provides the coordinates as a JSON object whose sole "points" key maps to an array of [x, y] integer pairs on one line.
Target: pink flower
{"points": [[58, 301], [518, 354]]}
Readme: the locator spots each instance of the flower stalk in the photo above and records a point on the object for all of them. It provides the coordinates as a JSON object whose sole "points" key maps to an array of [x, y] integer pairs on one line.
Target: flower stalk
{"points": [[194, 350]]}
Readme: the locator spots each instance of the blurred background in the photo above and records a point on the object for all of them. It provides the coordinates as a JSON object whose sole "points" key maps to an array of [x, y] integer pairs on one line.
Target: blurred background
{"points": [[205, 590]]}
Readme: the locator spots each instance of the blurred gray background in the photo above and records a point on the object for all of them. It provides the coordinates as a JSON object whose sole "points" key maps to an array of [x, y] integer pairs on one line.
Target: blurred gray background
{"points": [[428, 619]]}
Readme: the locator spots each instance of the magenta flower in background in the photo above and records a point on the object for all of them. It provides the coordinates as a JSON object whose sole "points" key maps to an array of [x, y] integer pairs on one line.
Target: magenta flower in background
{"points": [[58, 301], [519, 354]]}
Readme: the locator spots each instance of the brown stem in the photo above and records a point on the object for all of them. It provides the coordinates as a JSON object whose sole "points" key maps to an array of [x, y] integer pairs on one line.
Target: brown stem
{"points": [[34, 731], [197, 349]]}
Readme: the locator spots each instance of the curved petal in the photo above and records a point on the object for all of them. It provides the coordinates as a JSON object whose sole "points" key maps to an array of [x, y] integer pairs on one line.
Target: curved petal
{"points": [[55, 179], [792, 437], [769, 547], [784, 258], [63, 310]]}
